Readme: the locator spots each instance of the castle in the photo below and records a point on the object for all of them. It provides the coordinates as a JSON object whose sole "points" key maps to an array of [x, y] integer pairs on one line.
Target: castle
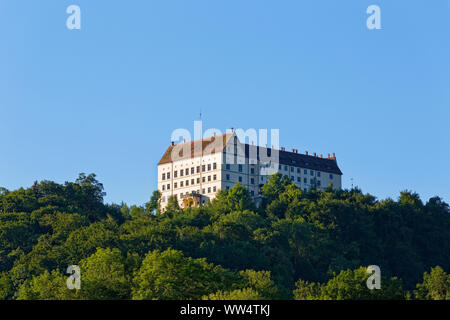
{"points": [[195, 171]]}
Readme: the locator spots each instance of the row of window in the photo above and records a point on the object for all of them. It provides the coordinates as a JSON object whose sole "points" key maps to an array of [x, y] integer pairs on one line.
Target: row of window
{"points": [[192, 182], [305, 171], [286, 168], [193, 170], [204, 190], [311, 181], [240, 168], [227, 178]]}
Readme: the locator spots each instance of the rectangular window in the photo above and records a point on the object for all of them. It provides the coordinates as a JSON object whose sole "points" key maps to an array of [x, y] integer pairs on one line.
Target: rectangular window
{"points": [[318, 173], [175, 185], [240, 179], [164, 176], [331, 176], [203, 168], [305, 180], [198, 169], [305, 171], [168, 186], [209, 166], [192, 181], [279, 167], [252, 181], [215, 177], [214, 166], [192, 170], [298, 170], [252, 170], [214, 189], [285, 168], [163, 187], [187, 171], [209, 178], [298, 179], [252, 193], [240, 168], [318, 183], [175, 174], [292, 169], [181, 173], [187, 183], [311, 181], [203, 179], [228, 177], [228, 167], [312, 172], [292, 178], [203, 191], [181, 184], [209, 190], [198, 180], [168, 175]]}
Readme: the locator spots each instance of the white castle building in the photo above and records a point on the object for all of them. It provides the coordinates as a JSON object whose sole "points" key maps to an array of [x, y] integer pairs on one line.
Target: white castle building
{"points": [[195, 171]]}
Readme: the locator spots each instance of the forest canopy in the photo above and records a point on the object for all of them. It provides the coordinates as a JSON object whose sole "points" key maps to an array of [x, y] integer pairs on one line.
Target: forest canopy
{"points": [[296, 245]]}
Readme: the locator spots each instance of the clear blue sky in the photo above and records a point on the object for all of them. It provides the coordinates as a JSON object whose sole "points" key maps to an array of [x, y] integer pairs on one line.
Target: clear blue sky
{"points": [[106, 98]]}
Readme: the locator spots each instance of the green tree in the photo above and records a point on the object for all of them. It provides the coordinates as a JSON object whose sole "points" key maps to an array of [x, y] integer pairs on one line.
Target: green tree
{"points": [[104, 276], [47, 286], [435, 285], [6, 287], [238, 294], [274, 187], [172, 205], [260, 282], [349, 285], [169, 275], [154, 205], [236, 199]]}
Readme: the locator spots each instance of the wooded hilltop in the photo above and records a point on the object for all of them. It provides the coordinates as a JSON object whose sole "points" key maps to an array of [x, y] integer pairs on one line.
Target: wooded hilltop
{"points": [[296, 245]]}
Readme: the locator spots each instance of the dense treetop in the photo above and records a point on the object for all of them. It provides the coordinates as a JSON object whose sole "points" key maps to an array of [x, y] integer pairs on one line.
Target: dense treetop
{"points": [[302, 245]]}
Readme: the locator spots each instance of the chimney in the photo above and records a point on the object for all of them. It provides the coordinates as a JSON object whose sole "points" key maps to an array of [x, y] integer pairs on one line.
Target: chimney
{"points": [[315, 155], [282, 149], [328, 156], [172, 143], [232, 129], [334, 156], [306, 153], [321, 156]]}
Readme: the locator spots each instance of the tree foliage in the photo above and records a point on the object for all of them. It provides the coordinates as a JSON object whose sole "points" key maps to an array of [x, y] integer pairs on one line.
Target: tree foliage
{"points": [[296, 244]]}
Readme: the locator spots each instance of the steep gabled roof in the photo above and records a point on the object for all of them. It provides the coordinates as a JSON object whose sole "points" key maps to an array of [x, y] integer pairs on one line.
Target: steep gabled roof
{"points": [[194, 147]]}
